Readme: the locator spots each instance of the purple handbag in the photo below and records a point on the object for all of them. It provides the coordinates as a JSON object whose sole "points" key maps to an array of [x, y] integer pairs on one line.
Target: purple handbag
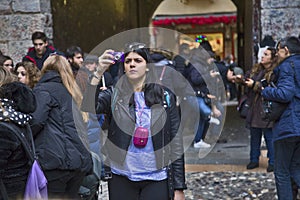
{"points": [[36, 186], [140, 137]]}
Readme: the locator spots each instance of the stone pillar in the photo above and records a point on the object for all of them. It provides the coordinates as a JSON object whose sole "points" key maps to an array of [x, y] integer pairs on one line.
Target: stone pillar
{"points": [[18, 20], [280, 18]]}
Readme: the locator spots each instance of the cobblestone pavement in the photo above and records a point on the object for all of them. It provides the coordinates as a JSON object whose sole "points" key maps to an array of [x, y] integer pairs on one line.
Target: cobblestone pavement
{"points": [[225, 186], [230, 185]]}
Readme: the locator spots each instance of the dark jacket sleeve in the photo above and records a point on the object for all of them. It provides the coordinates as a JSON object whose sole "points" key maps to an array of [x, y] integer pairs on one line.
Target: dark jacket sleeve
{"points": [[196, 77], [177, 151], [108, 79], [285, 88], [96, 101]]}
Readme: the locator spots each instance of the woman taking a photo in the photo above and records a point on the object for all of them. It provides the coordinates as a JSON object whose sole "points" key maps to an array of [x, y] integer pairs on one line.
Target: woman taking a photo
{"points": [[258, 126], [144, 147]]}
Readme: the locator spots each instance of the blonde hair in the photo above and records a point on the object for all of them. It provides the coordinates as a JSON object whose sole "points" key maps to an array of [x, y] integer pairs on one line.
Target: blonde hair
{"points": [[6, 76], [62, 66]]}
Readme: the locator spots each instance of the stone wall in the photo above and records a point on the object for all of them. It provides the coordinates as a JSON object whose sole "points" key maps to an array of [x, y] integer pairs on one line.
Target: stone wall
{"points": [[18, 20], [280, 18]]}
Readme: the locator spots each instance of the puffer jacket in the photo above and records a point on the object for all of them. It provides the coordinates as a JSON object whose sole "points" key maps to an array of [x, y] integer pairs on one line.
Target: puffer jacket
{"points": [[167, 140], [287, 90], [55, 127]]}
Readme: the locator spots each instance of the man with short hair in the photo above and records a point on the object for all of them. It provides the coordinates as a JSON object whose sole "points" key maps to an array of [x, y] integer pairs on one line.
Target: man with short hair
{"points": [[286, 131], [40, 50]]}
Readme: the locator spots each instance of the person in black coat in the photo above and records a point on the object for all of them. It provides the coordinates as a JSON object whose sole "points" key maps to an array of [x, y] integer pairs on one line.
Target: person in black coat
{"points": [[143, 166], [16, 102], [59, 130]]}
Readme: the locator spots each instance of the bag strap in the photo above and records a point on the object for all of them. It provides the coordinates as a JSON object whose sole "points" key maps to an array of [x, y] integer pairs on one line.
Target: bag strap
{"points": [[3, 190], [162, 73]]}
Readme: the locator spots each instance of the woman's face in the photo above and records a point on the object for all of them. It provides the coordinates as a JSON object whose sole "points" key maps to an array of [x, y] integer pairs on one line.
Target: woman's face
{"points": [[8, 64], [135, 66], [266, 59], [22, 75]]}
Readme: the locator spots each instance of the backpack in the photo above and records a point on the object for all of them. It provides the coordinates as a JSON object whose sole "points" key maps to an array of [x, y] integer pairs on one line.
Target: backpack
{"points": [[90, 185], [36, 185]]}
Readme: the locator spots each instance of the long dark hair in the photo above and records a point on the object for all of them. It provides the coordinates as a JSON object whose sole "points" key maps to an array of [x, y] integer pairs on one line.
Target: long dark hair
{"points": [[269, 75], [152, 90]]}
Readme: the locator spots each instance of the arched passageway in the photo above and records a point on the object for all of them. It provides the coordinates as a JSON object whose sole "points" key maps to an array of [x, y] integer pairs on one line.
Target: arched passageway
{"points": [[87, 23]]}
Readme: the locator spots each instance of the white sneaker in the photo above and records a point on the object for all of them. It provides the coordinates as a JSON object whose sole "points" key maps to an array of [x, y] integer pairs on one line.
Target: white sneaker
{"points": [[214, 120], [201, 144]]}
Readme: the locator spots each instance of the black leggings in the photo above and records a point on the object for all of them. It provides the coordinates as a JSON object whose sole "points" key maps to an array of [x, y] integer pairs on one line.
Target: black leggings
{"points": [[120, 187]]}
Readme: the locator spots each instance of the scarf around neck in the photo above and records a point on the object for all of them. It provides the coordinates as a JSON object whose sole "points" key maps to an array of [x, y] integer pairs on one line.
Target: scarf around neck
{"points": [[8, 113]]}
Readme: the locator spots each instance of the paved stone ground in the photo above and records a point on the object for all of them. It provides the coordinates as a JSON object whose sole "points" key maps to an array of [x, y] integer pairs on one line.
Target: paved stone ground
{"points": [[226, 186], [219, 173], [230, 185]]}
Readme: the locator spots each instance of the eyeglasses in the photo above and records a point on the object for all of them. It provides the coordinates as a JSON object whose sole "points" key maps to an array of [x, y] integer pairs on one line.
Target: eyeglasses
{"points": [[8, 65], [134, 46]]}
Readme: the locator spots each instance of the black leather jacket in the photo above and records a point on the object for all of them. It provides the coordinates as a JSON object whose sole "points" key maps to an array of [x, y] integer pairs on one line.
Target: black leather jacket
{"points": [[167, 141]]}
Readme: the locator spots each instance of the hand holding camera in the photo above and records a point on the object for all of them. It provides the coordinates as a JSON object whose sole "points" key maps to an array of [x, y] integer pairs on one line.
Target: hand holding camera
{"points": [[249, 82], [117, 55], [264, 83], [240, 79], [105, 60]]}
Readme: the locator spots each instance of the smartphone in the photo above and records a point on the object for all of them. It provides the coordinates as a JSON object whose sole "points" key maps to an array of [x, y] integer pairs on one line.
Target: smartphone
{"points": [[264, 83]]}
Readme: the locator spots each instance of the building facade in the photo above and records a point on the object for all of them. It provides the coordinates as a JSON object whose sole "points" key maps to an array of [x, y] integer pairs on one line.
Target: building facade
{"points": [[61, 21]]}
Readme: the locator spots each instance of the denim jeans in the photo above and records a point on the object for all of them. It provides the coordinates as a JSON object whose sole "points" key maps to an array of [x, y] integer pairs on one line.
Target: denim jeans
{"points": [[255, 144], [205, 112], [287, 166]]}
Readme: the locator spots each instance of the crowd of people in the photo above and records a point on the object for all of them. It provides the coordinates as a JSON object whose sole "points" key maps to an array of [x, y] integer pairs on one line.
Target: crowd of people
{"points": [[68, 99]]}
